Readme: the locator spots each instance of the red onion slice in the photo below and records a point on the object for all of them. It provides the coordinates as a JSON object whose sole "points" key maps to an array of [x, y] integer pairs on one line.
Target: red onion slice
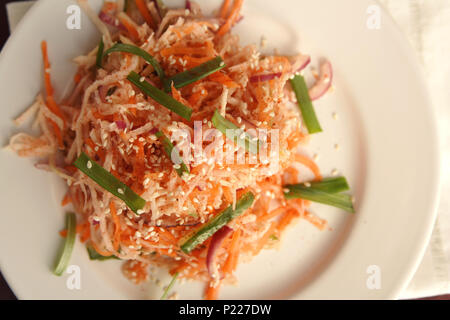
{"points": [[121, 124], [110, 20], [265, 77], [304, 62], [216, 243], [324, 83]]}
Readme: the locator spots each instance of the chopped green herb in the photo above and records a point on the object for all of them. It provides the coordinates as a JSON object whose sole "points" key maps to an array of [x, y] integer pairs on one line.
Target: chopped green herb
{"points": [[326, 193], [195, 74], [173, 153], [217, 223], [111, 91], [169, 287], [234, 133], [304, 102], [121, 47], [274, 238], [330, 185], [109, 182], [101, 47], [94, 255], [160, 96], [66, 251]]}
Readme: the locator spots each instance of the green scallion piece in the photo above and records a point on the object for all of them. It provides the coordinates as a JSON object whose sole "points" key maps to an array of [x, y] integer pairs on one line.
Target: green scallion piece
{"points": [[110, 183], [304, 102], [218, 222], [122, 47], [195, 74], [94, 255], [173, 153], [329, 185], [169, 287], [66, 251], [101, 47], [160, 96], [326, 193], [234, 133]]}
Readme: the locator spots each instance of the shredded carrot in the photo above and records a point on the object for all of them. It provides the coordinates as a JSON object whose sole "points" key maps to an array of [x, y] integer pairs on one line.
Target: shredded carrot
{"points": [[197, 97], [100, 251], [201, 51], [145, 13], [286, 219], [293, 175], [130, 26], [77, 78], [272, 214], [234, 14], [319, 223], [86, 232], [225, 8], [263, 240], [58, 133], [233, 253], [212, 292], [66, 200], [116, 220], [48, 83], [176, 94], [310, 164], [223, 79], [79, 228]]}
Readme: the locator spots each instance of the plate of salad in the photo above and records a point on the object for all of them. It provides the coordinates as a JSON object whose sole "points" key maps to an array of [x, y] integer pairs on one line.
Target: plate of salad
{"points": [[213, 150]]}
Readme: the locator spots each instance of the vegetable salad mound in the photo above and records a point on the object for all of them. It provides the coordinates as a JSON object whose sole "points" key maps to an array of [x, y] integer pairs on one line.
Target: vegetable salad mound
{"points": [[142, 136]]}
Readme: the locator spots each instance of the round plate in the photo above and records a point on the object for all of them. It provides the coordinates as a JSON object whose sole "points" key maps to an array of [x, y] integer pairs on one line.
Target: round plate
{"points": [[388, 151]]}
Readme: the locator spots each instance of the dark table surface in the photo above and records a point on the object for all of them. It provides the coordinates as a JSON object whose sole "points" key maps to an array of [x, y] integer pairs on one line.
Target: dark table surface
{"points": [[5, 291]]}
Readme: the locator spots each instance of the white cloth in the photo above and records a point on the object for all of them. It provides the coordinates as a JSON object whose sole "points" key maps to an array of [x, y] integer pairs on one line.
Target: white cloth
{"points": [[427, 25]]}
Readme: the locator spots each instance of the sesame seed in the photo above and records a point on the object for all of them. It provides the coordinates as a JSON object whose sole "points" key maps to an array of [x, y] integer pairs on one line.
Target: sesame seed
{"points": [[337, 146], [89, 164], [141, 79], [222, 64], [140, 211], [119, 190], [334, 172]]}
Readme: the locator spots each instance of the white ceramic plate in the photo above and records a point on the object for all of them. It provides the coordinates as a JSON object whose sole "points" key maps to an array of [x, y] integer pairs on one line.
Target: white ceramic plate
{"points": [[388, 151]]}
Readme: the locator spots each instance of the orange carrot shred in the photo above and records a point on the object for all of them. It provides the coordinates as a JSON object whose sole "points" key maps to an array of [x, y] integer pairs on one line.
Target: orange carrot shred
{"points": [[234, 14], [225, 8], [211, 292], [145, 13], [310, 164]]}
